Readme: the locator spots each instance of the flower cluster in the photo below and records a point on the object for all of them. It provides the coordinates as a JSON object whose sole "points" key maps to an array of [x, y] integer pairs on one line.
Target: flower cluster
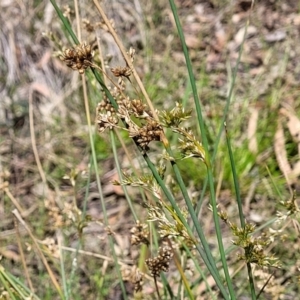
{"points": [[145, 129], [254, 247], [78, 58], [190, 146], [161, 262], [151, 131], [167, 228], [135, 276], [139, 234], [121, 72], [107, 119], [292, 208]]}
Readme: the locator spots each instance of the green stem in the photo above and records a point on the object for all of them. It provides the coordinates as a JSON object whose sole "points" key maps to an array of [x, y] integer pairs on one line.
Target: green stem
{"points": [[114, 148], [205, 144], [211, 267], [240, 208]]}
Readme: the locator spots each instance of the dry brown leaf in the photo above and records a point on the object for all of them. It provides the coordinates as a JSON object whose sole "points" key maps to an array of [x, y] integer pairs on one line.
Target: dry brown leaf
{"points": [[281, 155], [293, 124], [275, 36], [41, 88], [192, 41], [251, 133], [10, 254], [296, 169], [251, 30]]}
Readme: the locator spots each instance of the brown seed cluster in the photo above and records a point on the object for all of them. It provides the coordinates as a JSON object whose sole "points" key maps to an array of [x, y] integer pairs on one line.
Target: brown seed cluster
{"points": [[138, 108], [88, 26], [139, 234], [58, 217], [133, 275], [68, 12], [121, 71], [106, 115], [145, 129], [78, 58], [151, 131], [161, 262], [52, 247]]}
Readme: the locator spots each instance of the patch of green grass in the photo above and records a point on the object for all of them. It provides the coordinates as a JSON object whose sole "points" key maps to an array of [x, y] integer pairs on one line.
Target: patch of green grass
{"points": [[103, 148]]}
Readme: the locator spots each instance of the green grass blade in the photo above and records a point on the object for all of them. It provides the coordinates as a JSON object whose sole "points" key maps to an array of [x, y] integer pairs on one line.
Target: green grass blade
{"points": [[240, 208], [205, 144], [198, 268], [235, 180], [63, 273], [203, 254], [114, 148], [65, 22], [10, 282], [104, 209]]}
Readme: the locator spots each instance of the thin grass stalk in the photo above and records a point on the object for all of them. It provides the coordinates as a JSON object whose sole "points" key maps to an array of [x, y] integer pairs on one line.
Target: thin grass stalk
{"points": [[205, 144], [240, 207], [167, 286], [77, 19], [275, 186], [196, 223], [79, 244], [22, 256], [225, 113], [181, 272], [74, 262], [76, 41], [144, 248], [198, 268], [130, 159], [3, 280], [169, 196], [11, 282], [224, 116], [40, 253], [86, 191], [65, 22], [87, 110], [114, 148], [232, 85], [126, 57], [62, 267], [235, 180]]}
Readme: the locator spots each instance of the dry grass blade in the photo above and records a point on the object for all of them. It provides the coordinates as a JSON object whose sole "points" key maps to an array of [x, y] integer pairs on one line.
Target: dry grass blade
{"points": [[41, 255]]}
